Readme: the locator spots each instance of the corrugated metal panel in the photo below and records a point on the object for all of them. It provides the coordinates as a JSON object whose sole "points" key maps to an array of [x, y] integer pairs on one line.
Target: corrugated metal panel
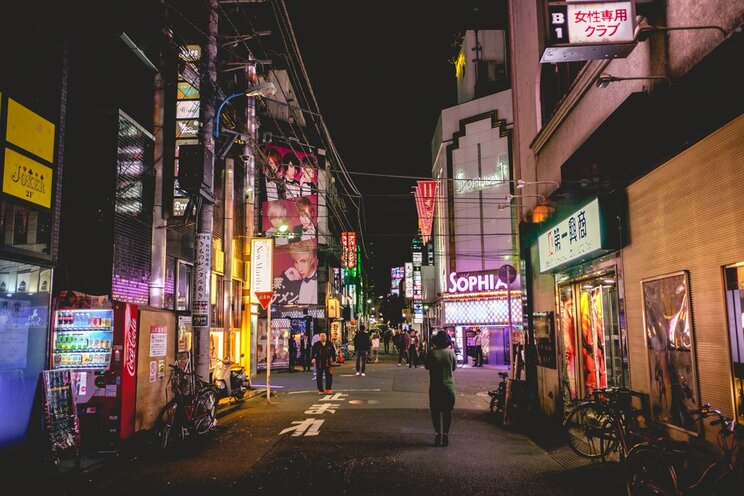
{"points": [[686, 215]]}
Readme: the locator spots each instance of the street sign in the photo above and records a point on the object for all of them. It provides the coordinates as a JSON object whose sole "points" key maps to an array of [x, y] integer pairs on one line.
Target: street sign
{"points": [[262, 254], [264, 298]]}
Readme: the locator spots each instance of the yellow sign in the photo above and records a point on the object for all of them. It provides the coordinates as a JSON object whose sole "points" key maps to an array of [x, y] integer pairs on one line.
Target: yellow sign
{"points": [[27, 179], [30, 131]]}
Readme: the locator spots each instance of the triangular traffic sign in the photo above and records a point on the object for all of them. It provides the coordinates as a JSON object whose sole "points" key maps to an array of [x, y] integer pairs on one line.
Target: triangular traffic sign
{"points": [[264, 298]]}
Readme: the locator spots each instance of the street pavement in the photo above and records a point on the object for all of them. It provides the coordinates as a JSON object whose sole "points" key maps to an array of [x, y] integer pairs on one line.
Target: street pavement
{"points": [[372, 436]]}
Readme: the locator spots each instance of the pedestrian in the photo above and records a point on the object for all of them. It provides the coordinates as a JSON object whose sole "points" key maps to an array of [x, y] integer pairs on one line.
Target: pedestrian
{"points": [[323, 355], [316, 338], [399, 340], [292, 352], [386, 335], [362, 346], [305, 352], [441, 363], [375, 347], [478, 349], [413, 345]]}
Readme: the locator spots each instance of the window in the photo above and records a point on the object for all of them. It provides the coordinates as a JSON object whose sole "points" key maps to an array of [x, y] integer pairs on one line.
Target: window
{"points": [[183, 285], [735, 305]]}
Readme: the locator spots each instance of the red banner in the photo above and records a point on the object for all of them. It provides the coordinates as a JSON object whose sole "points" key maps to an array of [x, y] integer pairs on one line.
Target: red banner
{"points": [[426, 192], [344, 251], [351, 262]]}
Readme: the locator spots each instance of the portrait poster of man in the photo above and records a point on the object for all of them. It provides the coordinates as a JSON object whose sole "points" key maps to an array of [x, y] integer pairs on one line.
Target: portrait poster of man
{"points": [[296, 273]]}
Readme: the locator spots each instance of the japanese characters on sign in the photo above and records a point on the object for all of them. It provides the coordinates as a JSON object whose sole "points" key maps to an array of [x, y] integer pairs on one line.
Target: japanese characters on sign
{"points": [[600, 22], [351, 260], [577, 236]]}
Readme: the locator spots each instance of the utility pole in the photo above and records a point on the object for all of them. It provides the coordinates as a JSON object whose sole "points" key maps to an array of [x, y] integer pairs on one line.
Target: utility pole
{"points": [[205, 215]]}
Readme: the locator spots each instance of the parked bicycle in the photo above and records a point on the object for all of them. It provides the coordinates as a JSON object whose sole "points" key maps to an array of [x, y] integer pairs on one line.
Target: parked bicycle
{"points": [[498, 398], [663, 467], [191, 411], [605, 423]]}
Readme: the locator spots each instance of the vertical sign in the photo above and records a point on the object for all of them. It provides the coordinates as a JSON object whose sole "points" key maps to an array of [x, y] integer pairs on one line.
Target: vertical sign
{"points": [[203, 264], [409, 279], [351, 262], [344, 251], [262, 254]]}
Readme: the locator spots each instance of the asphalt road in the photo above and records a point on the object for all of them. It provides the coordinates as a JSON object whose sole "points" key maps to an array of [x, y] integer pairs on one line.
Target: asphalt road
{"points": [[373, 436]]}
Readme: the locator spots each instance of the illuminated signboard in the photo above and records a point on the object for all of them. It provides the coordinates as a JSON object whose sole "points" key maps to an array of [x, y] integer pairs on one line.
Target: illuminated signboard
{"points": [[576, 238], [352, 260], [505, 277], [418, 313], [409, 279], [587, 31], [498, 177]]}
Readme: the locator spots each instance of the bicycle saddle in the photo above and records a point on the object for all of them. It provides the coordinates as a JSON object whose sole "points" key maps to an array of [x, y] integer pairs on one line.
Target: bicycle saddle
{"points": [[503, 375]]}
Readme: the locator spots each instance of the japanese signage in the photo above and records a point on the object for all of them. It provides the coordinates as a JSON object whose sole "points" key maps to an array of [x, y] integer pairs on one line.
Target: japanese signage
{"points": [[25, 177], [351, 260], [344, 250], [574, 239], [579, 31], [502, 278], [396, 275], [200, 304], [418, 313], [261, 267], [409, 279], [158, 341]]}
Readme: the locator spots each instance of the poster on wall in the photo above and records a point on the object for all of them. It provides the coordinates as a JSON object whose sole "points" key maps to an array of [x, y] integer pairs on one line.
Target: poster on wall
{"points": [[296, 274], [287, 173], [669, 342], [291, 221], [280, 329], [567, 346], [545, 339]]}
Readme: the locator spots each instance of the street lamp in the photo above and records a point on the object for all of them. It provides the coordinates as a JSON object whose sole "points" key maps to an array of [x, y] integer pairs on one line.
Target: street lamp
{"points": [[264, 89]]}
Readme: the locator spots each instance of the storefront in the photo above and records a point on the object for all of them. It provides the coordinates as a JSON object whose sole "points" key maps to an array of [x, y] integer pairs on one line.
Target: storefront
{"points": [[587, 277], [488, 303]]}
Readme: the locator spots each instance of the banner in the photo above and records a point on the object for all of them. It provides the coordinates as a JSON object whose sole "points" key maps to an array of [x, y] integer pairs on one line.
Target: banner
{"points": [[344, 250], [426, 192], [261, 262]]}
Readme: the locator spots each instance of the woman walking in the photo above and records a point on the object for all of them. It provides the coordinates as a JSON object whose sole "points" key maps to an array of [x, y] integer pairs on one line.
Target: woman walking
{"points": [[441, 362]]}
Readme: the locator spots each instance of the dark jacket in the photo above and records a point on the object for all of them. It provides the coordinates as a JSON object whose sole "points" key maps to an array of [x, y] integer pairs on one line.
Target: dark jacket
{"points": [[362, 341], [323, 354]]}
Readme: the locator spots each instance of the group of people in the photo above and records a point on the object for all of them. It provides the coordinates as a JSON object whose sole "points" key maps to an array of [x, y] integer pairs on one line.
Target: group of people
{"points": [[409, 346], [440, 361], [288, 176]]}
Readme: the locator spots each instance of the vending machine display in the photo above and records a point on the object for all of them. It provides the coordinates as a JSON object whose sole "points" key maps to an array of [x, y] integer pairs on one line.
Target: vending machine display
{"points": [[83, 338]]}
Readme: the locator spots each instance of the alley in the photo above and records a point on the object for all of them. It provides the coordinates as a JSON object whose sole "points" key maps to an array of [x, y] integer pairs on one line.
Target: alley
{"points": [[371, 436]]}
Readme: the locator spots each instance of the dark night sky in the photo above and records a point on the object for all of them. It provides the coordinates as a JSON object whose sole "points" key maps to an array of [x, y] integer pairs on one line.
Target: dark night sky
{"points": [[381, 76]]}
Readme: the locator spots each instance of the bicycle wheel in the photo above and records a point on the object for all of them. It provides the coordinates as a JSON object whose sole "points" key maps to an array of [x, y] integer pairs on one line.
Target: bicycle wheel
{"points": [[205, 411], [165, 423], [589, 430], [646, 472]]}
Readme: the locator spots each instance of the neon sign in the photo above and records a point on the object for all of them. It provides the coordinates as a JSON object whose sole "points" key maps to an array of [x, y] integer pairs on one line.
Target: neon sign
{"points": [[497, 178]]}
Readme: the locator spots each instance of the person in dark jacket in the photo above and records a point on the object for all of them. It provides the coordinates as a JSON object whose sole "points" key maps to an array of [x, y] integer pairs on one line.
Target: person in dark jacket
{"points": [[323, 355], [441, 362], [362, 345]]}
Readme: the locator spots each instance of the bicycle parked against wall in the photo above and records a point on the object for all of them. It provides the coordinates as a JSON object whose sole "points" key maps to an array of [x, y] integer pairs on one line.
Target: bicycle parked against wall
{"points": [[498, 398], [605, 423], [663, 467], [191, 412]]}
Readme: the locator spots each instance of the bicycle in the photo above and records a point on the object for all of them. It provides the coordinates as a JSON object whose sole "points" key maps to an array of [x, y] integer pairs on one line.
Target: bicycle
{"points": [[604, 423], [660, 467], [498, 398], [191, 411]]}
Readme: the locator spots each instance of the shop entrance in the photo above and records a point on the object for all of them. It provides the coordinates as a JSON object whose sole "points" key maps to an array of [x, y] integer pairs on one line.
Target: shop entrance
{"points": [[495, 343], [591, 352]]}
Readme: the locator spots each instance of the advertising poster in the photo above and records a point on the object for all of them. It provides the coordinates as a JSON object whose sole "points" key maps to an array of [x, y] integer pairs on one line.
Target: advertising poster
{"points": [[287, 173], [296, 274], [279, 343], [300, 215]]}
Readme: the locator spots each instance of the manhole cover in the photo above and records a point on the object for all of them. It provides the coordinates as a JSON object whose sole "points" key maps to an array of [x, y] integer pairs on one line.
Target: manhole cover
{"points": [[362, 402]]}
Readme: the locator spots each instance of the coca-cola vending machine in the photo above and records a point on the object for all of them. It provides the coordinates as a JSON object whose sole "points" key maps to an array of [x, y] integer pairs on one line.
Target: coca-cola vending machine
{"points": [[96, 338]]}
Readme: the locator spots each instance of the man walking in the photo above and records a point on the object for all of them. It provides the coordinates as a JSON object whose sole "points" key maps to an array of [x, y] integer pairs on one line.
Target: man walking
{"points": [[362, 345], [478, 349], [323, 354], [386, 339]]}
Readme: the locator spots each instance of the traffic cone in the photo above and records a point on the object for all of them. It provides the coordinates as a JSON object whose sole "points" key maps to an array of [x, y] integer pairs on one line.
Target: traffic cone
{"points": [[340, 357]]}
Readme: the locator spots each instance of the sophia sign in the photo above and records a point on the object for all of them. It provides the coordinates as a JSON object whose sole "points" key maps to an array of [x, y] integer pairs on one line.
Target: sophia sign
{"points": [[483, 281]]}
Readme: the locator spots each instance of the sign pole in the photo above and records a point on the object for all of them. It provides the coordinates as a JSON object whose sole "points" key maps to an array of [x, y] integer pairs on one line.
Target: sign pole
{"points": [[269, 338]]}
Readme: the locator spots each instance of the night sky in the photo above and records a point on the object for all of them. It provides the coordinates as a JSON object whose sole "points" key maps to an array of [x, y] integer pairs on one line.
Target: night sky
{"points": [[381, 76]]}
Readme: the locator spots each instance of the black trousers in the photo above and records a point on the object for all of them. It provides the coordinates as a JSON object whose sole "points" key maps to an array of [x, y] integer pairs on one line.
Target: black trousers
{"points": [[326, 372], [479, 356]]}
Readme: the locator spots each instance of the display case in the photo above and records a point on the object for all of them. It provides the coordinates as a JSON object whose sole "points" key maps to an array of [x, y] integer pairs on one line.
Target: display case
{"points": [[83, 338]]}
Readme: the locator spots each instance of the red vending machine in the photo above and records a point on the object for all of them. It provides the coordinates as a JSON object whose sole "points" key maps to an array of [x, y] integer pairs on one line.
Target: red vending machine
{"points": [[97, 340]]}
